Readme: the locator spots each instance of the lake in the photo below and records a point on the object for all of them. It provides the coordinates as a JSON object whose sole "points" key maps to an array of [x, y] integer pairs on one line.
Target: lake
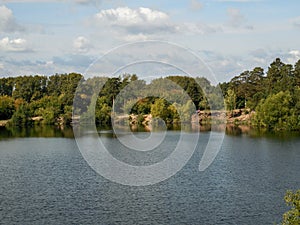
{"points": [[45, 180]]}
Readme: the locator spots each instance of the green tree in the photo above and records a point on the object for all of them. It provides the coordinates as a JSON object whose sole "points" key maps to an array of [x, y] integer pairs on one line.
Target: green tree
{"points": [[280, 77], [277, 112], [30, 88], [86, 93], [22, 116], [6, 86], [173, 112], [50, 108], [69, 85], [204, 84], [54, 86], [296, 100], [110, 90], [142, 106], [191, 86], [297, 73], [204, 104], [215, 100], [7, 107], [103, 114], [64, 86], [187, 111], [230, 100], [246, 85], [160, 109], [292, 217]]}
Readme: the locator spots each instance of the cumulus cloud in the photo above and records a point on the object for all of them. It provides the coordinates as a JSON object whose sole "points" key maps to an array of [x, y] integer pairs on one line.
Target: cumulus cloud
{"points": [[7, 20], [136, 21], [145, 23], [13, 45], [81, 44], [127, 16]]}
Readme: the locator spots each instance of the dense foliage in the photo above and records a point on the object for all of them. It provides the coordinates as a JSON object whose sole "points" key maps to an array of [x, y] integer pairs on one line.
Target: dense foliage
{"points": [[292, 217], [274, 96], [170, 99], [26, 97]]}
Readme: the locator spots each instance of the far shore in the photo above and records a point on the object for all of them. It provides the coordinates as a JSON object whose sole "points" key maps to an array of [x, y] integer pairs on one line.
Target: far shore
{"points": [[239, 116], [3, 123]]}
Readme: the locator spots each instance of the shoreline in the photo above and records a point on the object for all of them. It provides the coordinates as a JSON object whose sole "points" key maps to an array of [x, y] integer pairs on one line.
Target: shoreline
{"points": [[237, 117], [3, 123]]}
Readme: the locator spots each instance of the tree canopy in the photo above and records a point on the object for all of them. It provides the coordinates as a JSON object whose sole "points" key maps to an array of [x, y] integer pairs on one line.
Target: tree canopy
{"points": [[274, 95], [292, 217]]}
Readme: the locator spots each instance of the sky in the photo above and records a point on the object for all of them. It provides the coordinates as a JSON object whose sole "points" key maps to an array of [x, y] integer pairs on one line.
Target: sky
{"points": [[229, 36]]}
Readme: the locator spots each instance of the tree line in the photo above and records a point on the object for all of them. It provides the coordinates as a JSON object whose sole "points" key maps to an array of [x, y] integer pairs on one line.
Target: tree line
{"points": [[25, 97], [273, 95]]}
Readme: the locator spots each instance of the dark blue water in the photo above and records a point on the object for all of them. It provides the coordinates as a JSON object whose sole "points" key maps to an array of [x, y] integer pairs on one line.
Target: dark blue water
{"points": [[46, 181]]}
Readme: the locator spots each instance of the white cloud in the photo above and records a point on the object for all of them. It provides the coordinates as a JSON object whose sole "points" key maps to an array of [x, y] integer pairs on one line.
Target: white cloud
{"points": [[81, 44], [126, 16], [293, 56], [7, 20], [295, 53], [136, 21], [13, 45], [144, 23]]}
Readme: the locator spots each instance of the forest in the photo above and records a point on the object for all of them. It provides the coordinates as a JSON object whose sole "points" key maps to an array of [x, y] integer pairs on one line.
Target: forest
{"points": [[273, 96]]}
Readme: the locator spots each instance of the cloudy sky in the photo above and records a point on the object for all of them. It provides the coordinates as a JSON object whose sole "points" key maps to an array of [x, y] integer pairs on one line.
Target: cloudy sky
{"points": [[62, 36]]}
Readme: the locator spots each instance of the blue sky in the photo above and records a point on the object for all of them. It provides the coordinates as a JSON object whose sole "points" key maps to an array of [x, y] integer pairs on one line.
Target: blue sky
{"points": [[61, 36]]}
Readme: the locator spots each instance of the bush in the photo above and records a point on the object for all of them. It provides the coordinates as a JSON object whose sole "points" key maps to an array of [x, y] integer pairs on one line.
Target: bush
{"points": [[277, 112], [22, 116], [7, 107], [292, 217]]}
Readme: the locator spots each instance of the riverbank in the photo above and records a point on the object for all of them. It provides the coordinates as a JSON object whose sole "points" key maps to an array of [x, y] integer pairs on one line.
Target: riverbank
{"points": [[3, 123], [237, 117]]}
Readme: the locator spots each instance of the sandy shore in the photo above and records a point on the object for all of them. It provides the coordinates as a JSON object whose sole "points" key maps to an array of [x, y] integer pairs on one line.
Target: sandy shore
{"points": [[3, 123]]}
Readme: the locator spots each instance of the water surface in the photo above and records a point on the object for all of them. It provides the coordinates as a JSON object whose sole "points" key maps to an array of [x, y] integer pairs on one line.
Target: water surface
{"points": [[45, 180]]}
